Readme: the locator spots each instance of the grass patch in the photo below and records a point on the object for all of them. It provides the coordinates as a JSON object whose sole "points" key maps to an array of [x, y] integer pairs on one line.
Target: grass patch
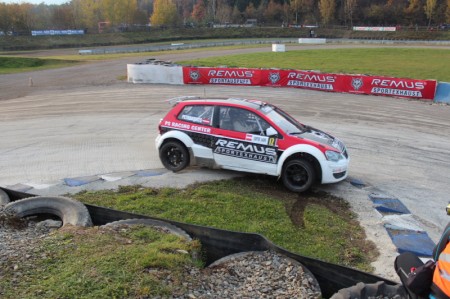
{"points": [[102, 263], [141, 262], [396, 62], [20, 64], [314, 225]]}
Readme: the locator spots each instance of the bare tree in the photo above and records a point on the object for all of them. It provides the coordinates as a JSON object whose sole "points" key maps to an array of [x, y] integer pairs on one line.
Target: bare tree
{"points": [[430, 7], [447, 12], [224, 11], [349, 10], [327, 9]]}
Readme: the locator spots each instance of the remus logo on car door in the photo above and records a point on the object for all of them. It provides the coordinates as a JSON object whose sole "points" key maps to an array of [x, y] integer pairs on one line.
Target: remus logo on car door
{"points": [[257, 151], [247, 146]]}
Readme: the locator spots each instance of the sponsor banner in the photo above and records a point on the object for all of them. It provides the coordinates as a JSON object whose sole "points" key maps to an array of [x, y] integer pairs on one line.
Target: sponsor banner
{"points": [[56, 32], [362, 28], [223, 76], [372, 85], [393, 87], [299, 79]]}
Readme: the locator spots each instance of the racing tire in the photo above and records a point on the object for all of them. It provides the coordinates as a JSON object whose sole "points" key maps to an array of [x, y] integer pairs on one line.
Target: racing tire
{"points": [[298, 175], [151, 222], [68, 210], [4, 198], [174, 156], [374, 290]]}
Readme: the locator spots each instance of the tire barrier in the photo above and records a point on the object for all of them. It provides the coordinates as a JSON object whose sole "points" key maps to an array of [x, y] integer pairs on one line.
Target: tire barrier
{"points": [[374, 290], [68, 210], [253, 274], [155, 223], [4, 198], [219, 243]]}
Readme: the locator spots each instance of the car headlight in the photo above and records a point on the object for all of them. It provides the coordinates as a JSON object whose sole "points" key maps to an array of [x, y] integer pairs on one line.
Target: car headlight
{"points": [[333, 156]]}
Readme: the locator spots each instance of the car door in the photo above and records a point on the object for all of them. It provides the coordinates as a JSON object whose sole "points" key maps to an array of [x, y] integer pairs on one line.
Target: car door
{"points": [[197, 123], [242, 143]]}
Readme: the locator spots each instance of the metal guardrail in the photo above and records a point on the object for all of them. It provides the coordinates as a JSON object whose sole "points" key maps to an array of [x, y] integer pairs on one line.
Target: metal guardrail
{"points": [[183, 46]]}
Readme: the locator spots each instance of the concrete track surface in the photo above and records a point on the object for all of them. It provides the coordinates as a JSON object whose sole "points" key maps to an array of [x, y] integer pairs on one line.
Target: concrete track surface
{"points": [[83, 120]]}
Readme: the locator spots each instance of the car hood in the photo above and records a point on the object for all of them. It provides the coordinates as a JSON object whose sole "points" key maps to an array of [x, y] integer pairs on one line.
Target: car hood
{"points": [[319, 136]]}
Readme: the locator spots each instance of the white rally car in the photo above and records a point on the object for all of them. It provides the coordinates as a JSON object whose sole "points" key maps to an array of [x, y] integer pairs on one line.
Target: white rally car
{"points": [[249, 136]]}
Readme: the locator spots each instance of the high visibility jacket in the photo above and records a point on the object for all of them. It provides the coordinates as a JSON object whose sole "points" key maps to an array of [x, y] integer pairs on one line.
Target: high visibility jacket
{"points": [[441, 276]]}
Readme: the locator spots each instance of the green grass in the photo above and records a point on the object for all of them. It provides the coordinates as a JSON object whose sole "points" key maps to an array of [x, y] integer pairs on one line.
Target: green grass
{"points": [[397, 62], [310, 225], [20, 64], [102, 263], [415, 63], [135, 262]]}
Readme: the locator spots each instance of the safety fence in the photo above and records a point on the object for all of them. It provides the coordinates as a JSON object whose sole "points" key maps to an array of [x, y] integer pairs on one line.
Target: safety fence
{"points": [[154, 71]]}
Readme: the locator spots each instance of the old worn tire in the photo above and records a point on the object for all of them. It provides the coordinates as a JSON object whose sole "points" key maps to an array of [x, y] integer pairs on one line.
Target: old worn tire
{"points": [[298, 175], [174, 156], [374, 290], [4, 198], [68, 210], [152, 222]]}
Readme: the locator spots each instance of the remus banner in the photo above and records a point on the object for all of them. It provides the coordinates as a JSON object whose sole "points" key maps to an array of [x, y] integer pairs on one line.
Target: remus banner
{"points": [[361, 84]]}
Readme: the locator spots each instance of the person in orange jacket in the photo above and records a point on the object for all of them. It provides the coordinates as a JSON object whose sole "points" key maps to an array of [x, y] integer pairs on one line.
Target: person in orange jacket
{"points": [[440, 287], [432, 284]]}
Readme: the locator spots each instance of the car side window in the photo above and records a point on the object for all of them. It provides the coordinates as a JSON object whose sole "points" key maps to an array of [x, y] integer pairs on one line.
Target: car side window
{"points": [[199, 114], [242, 120]]}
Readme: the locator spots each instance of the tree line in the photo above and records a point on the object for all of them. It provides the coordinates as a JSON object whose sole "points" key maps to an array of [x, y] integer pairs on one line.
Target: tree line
{"points": [[124, 14]]}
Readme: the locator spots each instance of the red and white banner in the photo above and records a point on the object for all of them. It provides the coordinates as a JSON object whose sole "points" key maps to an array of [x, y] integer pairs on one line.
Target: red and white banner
{"points": [[373, 85], [223, 76]]}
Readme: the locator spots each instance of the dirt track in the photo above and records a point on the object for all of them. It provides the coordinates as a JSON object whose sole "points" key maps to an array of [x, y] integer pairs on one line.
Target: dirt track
{"points": [[82, 121]]}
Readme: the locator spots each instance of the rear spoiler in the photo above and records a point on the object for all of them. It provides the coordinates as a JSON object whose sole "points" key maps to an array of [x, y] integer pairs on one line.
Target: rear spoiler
{"points": [[174, 101]]}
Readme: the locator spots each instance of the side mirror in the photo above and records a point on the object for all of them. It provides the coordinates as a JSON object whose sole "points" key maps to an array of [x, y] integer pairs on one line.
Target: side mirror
{"points": [[271, 131]]}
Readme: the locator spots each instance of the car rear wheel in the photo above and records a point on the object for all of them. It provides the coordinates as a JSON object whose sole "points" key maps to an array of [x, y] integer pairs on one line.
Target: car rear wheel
{"points": [[174, 156], [298, 175]]}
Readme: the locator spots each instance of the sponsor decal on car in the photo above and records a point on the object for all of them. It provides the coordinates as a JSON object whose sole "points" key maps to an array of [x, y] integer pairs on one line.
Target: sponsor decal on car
{"points": [[245, 150], [177, 125], [195, 119]]}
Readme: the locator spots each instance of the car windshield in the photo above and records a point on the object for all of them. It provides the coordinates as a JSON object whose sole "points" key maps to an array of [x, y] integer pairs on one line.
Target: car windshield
{"points": [[283, 120]]}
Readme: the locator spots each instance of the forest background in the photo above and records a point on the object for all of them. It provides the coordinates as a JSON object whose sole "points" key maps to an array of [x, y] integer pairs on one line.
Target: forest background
{"points": [[131, 15]]}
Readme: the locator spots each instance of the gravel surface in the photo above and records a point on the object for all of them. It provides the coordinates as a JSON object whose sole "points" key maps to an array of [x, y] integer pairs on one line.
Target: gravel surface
{"points": [[20, 242], [243, 275]]}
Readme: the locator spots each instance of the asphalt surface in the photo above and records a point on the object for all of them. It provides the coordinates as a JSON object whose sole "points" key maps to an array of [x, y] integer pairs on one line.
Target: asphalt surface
{"points": [[85, 121]]}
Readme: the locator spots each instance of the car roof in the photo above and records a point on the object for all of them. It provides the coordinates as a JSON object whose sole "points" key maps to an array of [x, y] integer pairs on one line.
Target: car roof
{"points": [[250, 103]]}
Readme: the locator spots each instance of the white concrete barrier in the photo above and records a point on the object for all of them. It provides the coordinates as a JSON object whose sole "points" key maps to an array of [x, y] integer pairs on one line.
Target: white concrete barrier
{"points": [[312, 40], [151, 73], [278, 48]]}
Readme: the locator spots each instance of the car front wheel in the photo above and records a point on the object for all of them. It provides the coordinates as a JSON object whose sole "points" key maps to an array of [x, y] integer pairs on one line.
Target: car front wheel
{"points": [[298, 175], [174, 156]]}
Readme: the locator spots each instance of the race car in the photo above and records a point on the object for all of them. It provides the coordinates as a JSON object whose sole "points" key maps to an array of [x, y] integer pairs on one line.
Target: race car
{"points": [[249, 136]]}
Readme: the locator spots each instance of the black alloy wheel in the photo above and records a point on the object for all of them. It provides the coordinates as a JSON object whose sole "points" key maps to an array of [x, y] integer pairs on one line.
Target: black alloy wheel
{"points": [[298, 175], [174, 156]]}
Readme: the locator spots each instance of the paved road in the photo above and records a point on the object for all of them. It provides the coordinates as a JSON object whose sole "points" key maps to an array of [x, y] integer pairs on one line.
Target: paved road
{"points": [[83, 121]]}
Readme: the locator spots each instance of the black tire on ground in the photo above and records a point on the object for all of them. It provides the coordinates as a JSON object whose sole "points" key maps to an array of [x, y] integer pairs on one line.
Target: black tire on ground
{"points": [[4, 198], [156, 223], [375, 290], [174, 156], [68, 210], [298, 175]]}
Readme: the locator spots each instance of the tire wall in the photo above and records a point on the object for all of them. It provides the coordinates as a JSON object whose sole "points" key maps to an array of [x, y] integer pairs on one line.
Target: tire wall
{"points": [[217, 243]]}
